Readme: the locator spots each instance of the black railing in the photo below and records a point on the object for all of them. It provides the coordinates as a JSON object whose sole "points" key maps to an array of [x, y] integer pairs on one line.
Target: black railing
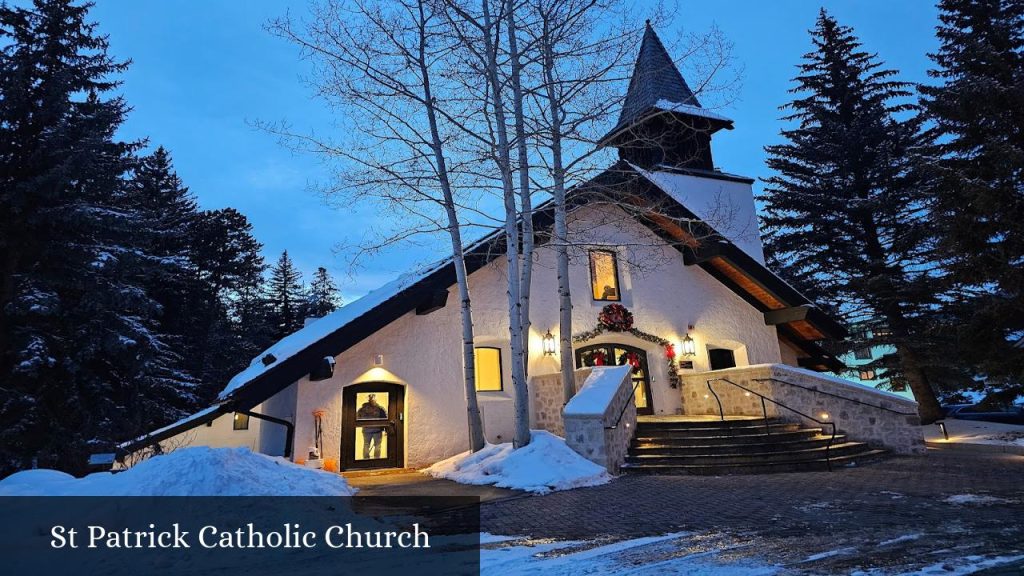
{"points": [[632, 398], [764, 411], [861, 402]]}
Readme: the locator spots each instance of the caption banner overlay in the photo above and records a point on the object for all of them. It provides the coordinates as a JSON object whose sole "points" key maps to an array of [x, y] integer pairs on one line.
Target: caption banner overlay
{"points": [[239, 535]]}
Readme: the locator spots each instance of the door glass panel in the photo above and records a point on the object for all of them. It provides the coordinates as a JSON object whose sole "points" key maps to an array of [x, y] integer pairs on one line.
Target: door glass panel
{"points": [[371, 437], [371, 442], [640, 393], [372, 406]]}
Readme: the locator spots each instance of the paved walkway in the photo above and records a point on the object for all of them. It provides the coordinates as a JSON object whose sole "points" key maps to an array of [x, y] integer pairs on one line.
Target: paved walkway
{"points": [[413, 483], [894, 514]]}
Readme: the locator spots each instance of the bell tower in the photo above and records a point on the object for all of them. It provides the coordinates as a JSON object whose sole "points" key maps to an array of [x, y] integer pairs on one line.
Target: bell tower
{"points": [[662, 124]]}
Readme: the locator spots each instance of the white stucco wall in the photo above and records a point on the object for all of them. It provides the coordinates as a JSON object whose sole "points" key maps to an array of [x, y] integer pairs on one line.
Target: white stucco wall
{"points": [[424, 352], [219, 432]]}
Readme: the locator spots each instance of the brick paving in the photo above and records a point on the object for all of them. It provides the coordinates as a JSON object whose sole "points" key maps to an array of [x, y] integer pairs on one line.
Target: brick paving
{"points": [[886, 515]]}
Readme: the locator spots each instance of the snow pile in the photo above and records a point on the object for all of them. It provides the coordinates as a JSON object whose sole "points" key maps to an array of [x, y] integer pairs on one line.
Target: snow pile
{"points": [[196, 471], [598, 391], [546, 464]]}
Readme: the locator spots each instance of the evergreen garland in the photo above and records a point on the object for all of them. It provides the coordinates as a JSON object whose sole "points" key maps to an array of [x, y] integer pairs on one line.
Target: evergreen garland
{"points": [[617, 311]]}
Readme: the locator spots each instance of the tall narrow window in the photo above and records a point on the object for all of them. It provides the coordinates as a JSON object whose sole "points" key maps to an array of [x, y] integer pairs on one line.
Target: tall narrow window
{"points": [[604, 275], [241, 421], [488, 369]]}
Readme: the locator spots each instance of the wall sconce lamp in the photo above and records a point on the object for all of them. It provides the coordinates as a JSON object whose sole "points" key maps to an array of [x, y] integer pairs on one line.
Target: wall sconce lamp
{"points": [[689, 348], [549, 344]]}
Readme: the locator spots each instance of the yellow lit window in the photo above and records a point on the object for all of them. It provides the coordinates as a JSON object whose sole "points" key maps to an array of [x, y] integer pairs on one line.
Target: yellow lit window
{"points": [[604, 275], [488, 369], [241, 421]]}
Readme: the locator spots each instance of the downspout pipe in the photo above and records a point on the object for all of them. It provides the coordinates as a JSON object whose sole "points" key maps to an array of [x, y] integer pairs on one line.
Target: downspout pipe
{"points": [[289, 427]]}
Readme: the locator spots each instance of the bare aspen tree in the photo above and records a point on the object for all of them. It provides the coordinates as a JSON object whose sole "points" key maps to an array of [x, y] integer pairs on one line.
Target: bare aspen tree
{"points": [[378, 62], [481, 33]]}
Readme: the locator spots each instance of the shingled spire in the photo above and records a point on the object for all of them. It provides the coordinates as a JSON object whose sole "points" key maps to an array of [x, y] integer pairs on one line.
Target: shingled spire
{"points": [[661, 121], [655, 78]]}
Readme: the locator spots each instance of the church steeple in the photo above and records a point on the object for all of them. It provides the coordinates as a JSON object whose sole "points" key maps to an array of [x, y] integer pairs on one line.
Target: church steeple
{"points": [[662, 122]]}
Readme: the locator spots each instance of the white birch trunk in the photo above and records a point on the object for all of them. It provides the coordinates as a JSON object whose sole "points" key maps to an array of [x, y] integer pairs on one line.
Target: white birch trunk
{"points": [[525, 201], [566, 360], [474, 422], [503, 158]]}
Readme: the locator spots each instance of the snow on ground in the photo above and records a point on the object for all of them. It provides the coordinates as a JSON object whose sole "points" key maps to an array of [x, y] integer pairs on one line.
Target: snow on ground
{"points": [[598, 390], [901, 539], [196, 471], [545, 465], [650, 555], [961, 567], [976, 499]]}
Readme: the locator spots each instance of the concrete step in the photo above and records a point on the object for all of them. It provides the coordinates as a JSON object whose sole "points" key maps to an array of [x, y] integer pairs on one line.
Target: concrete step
{"points": [[714, 438], [705, 430], [712, 458], [669, 423], [819, 464], [684, 447]]}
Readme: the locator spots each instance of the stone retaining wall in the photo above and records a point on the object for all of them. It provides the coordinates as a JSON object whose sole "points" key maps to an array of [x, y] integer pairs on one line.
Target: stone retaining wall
{"points": [[604, 438], [547, 400], [863, 414]]}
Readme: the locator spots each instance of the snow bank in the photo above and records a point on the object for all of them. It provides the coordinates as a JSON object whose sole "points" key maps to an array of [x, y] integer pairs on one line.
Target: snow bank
{"points": [[545, 465], [597, 391], [196, 471]]}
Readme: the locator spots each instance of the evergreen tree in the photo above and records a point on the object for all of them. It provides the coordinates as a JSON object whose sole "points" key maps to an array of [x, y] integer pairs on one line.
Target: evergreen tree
{"points": [[227, 258], [80, 353], [978, 117], [285, 297], [323, 295], [165, 218], [845, 212]]}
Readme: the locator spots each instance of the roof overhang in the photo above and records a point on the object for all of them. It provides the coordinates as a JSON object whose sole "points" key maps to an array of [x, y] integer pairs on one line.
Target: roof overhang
{"points": [[708, 123]]}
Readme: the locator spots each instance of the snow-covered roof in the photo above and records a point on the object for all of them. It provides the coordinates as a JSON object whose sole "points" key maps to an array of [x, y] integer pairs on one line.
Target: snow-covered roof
{"points": [[322, 327], [184, 421], [690, 109], [713, 203]]}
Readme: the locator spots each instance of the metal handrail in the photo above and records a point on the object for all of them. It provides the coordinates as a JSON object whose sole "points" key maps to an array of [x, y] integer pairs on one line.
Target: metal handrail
{"points": [[764, 411], [632, 398], [861, 402]]}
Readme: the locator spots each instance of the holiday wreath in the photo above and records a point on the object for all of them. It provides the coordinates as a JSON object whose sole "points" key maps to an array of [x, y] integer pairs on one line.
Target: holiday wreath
{"points": [[618, 318]]}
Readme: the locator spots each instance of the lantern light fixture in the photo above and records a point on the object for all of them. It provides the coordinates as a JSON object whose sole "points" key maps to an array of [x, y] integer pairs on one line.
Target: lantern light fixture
{"points": [[688, 346], [549, 344]]}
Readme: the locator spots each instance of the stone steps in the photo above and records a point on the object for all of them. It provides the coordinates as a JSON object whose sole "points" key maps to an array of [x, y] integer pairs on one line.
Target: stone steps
{"points": [[739, 446], [770, 445]]}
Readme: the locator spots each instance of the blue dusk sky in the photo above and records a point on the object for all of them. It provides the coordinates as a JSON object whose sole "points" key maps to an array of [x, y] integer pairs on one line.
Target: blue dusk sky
{"points": [[203, 71]]}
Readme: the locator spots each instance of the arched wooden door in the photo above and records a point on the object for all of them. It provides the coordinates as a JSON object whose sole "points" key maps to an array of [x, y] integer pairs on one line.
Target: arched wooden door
{"points": [[617, 355]]}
